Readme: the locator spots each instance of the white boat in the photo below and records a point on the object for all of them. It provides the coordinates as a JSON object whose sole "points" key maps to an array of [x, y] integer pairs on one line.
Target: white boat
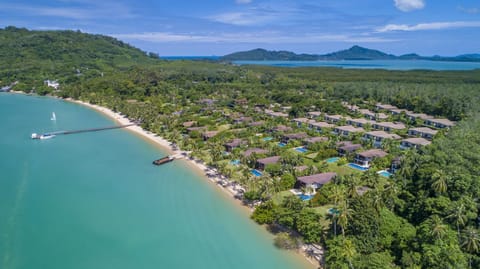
{"points": [[42, 136], [54, 117]]}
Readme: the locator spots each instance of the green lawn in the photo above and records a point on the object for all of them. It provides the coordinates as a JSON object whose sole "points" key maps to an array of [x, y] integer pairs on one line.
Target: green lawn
{"points": [[278, 197], [322, 210], [342, 170]]}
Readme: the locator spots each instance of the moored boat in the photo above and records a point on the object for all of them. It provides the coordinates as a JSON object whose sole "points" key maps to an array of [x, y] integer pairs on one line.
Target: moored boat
{"points": [[163, 160]]}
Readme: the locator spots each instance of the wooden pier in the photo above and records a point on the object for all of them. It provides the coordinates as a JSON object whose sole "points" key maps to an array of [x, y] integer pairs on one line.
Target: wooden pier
{"points": [[91, 129]]}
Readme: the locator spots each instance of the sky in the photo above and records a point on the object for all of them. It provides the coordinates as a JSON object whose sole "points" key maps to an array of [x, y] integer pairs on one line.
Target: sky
{"points": [[219, 27]]}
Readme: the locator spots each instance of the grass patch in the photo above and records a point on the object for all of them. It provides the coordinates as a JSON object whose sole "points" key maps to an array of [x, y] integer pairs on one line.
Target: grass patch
{"points": [[278, 197], [342, 170]]}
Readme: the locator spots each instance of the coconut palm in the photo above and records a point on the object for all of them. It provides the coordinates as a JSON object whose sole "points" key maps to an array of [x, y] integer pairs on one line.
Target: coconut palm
{"points": [[470, 241], [458, 216], [438, 228], [439, 182]]}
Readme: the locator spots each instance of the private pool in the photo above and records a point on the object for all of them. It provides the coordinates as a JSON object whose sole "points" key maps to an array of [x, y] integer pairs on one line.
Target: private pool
{"points": [[301, 149], [268, 138], [358, 167], [280, 144], [235, 162], [332, 160], [305, 197], [384, 173], [256, 173]]}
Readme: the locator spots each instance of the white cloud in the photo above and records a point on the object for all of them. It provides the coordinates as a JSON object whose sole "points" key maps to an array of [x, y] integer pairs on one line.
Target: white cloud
{"points": [[472, 10], [245, 37], [243, 1], [243, 18], [428, 26], [409, 5]]}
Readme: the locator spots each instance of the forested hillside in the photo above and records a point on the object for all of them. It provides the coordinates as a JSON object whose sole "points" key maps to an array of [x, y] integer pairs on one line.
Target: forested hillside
{"points": [[426, 216]]}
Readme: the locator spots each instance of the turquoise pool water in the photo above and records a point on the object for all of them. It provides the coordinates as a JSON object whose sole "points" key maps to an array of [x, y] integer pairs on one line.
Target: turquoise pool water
{"points": [[256, 173], [235, 162], [384, 173], [332, 160], [356, 166], [301, 149], [269, 138], [305, 197], [280, 144]]}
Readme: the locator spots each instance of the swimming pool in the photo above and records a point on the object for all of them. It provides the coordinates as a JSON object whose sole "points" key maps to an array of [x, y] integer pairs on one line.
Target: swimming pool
{"points": [[267, 138], [301, 149], [235, 162], [358, 167], [256, 173], [384, 173], [332, 160], [305, 197], [280, 144]]}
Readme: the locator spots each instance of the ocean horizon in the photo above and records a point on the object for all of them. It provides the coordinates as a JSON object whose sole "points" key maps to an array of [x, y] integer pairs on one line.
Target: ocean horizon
{"points": [[94, 200]]}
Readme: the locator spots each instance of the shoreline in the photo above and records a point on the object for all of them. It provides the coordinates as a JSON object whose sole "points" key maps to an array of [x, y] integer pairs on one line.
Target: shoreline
{"points": [[212, 176]]}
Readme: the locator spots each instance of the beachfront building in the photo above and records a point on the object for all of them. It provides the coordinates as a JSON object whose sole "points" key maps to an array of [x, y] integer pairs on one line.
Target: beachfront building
{"points": [[333, 118], [439, 123], [378, 137], [347, 147], [423, 132], [389, 126], [314, 114], [365, 158], [52, 83], [360, 122], [414, 142], [347, 130], [320, 126], [301, 121], [295, 136], [235, 143], [316, 181], [262, 163]]}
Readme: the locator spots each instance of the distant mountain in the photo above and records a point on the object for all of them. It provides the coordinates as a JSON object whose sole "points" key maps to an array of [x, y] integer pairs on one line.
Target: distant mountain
{"points": [[353, 53], [357, 53], [265, 55]]}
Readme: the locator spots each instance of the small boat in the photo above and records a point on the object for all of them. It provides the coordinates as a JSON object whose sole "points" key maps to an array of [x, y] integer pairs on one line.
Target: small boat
{"points": [[54, 117], [42, 136], [163, 160]]}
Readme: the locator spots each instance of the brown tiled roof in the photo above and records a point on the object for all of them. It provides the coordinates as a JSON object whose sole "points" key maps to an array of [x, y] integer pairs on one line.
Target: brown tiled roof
{"points": [[322, 178], [383, 134], [250, 151], [350, 147], [295, 136], [373, 153], [269, 160], [424, 130], [316, 139], [417, 141], [235, 142]]}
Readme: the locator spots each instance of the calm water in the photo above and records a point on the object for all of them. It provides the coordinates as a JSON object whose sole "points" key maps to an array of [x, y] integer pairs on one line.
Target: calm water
{"points": [[94, 200], [374, 64]]}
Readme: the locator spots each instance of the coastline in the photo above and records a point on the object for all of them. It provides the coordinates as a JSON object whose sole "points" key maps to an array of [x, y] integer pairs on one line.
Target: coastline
{"points": [[231, 190]]}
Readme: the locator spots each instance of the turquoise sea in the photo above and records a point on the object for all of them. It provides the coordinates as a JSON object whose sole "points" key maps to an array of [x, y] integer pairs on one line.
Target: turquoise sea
{"points": [[373, 64], [93, 200]]}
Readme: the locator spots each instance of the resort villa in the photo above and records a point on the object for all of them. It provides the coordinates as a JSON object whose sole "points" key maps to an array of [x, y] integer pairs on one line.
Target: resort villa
{"points": [[347, 147], [314, 114], [372, 115], [262, 163], [347, 130], [301, 121], [317, 180], [295, 136], [333, 118], [414, 142], [235, 143], [440, 123], [281, 128], [378, 137], [360, 122], [274, 114], [423, 132], [389, 126], [365, 158], [313, 140], [209, 134], [256, 151], [412, 116], [319, 126]]}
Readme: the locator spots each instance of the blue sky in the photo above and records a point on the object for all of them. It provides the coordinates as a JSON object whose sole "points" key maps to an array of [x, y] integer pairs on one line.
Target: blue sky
{"points": [[218, 27]]}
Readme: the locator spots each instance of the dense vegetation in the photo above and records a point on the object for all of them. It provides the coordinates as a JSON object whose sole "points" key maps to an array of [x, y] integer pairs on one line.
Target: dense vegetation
{"points": [[426, 217]]}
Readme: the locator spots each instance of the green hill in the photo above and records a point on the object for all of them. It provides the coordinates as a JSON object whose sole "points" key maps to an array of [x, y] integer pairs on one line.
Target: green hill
{"points": [[265, 55]]}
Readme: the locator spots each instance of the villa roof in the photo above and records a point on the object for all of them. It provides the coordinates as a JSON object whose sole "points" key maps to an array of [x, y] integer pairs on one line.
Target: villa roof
{"points": [[235, 142], [316, 139], [314, 113], [424, 130], [296, 135], [275, 114], [373, 153], [269, 160], [445, 122], [385, 106], [335, 117], [417, 141], [350, 147], [350, 128], [189, 123], [282, 128], [210, 134], [383, 134], [422, 116], [250, 151], [191, 129], [302, 120], [256, 123], [392, 125], [362, 121], [321, 124], [320, 179]]}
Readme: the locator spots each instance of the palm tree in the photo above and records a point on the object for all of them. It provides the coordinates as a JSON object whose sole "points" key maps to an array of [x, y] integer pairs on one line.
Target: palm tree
{"points": [[438, 228], [349, 252], [439, 182], [458, 216], [470, 241]]}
